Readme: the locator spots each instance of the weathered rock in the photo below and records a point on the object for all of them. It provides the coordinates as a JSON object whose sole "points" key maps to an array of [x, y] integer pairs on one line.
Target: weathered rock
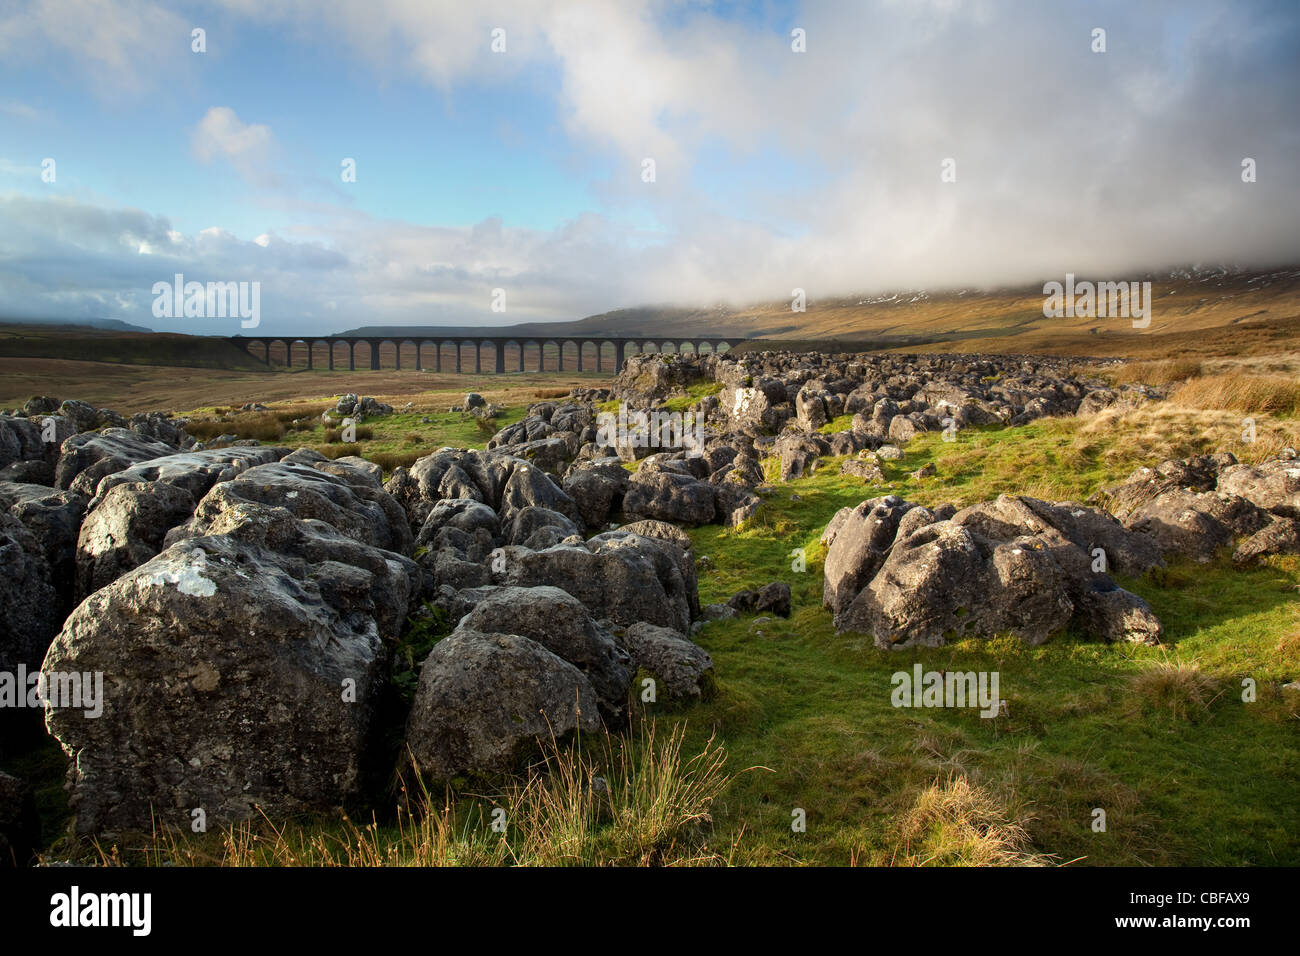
{"points": [[539, 528], [597, 490], [560, 623], [1280, 536], [799, 454], [461, 513], [54, 519], [32, 611], [1273, 485], [645, 380], [196, 471], [1195, 524], [772, 598], [1086, 529], [485, 700], [127, 528], [1113, 614], [236, 676], [944, 582], [669, 497], [355, 508], [859, 542], [621, 577], [683, 669], [86, 458], [530, 487]]}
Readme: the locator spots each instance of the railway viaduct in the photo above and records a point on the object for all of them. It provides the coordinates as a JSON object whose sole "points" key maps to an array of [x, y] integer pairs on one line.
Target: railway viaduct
{"points": [[599, 348]]}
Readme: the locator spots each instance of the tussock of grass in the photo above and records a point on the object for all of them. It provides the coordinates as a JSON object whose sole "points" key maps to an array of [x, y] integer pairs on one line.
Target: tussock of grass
{"points": [[1177, 688], [630, 800], [1242, 392], [1132, 437], [389, 460], [1161, 372], [957, 823], [364, 433]]}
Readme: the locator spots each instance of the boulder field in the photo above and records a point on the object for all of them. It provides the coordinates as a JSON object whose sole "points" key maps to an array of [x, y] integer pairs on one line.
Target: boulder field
{"points": [[247, 607]]}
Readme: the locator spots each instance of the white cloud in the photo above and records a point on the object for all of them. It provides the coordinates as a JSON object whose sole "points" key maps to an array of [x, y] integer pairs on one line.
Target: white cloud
{"points": [[248, 147], [120, 46], [1066, 160]]}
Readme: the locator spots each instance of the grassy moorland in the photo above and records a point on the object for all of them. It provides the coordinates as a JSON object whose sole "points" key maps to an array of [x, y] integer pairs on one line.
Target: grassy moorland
{"points": [[800, 718]]}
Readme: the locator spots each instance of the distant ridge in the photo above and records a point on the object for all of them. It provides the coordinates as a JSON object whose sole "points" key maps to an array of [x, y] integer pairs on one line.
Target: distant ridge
{"points": [[112, 325]]}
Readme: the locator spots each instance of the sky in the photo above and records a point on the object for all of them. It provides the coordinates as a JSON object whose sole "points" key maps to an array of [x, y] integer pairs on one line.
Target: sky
{"points": [[502, 152]]}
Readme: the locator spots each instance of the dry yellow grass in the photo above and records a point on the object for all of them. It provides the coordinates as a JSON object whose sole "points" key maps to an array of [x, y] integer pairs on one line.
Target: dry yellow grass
{"points": [[1180, 688], [1161, 372], [1155, 432], [957, 823], [1242, 392]]}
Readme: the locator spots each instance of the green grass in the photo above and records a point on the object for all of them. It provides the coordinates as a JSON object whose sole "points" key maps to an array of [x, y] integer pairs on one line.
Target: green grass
{"points": [[681, 403], [389, 440], [1216, 787], [837, 424]]}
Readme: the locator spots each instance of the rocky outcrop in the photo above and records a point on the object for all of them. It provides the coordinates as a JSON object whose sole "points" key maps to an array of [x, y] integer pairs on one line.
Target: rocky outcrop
{"points": [[908, 575], [484, 701], [1199, 506], [682, 669], [240, 670], [86, 458]]}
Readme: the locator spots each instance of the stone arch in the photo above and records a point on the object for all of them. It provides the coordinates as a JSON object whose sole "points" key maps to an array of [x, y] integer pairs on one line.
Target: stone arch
{"points": [[504, 351]]}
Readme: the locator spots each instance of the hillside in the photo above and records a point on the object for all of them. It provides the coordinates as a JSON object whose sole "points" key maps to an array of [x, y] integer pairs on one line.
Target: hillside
{"points": [[84, 343], [1247, 312]]}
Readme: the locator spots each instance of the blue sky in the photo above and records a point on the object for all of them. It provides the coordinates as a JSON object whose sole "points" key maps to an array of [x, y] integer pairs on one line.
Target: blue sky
{"points": [[522, 170]]}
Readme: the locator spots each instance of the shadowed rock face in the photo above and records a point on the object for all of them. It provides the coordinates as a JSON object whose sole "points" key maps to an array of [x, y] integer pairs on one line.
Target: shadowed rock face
{"points": [[32, 614], [234, 676], [20, 827], [53, 518], [484, 700]]}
